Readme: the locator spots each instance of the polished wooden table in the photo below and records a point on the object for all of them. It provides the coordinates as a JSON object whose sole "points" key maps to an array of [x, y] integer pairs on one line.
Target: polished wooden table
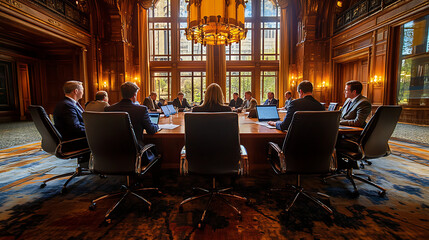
{"points": [[253, 137]]}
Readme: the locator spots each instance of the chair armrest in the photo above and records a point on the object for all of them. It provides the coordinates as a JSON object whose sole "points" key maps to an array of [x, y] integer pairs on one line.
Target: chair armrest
{"points": [[144, 169], [350, 143], [183, 162], [280, 166], [244, 162], [72, 148]]}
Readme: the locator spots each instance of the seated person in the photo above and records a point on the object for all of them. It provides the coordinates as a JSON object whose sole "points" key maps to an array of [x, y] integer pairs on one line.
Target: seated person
{"points": [[271, 100], [101, 101], [306, 102], [357, 107], [150, 102], [213, 100], [68, 118], [68, 112], [249, 102], [236, 102], [138, 113], [181, 102], [288, 99]]}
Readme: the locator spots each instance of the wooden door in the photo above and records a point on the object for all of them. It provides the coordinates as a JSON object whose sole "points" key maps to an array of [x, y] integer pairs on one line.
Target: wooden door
{"points": [[24, 89], [356, 70]]}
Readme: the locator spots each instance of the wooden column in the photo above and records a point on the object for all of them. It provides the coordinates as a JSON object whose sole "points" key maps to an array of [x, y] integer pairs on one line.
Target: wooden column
{"points": [[216, 66], [144, 69], [284, 84], [84, 73]]}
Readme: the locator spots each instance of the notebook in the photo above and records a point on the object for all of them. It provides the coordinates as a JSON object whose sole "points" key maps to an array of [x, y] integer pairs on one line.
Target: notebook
{"points": [[165, 110], [154, 117], [171, 109]]}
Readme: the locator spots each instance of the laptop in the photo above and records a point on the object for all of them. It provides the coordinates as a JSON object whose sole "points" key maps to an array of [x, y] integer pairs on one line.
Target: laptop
{"points": [[267, 113], [154, 117], [165, 110], [171, 109]]}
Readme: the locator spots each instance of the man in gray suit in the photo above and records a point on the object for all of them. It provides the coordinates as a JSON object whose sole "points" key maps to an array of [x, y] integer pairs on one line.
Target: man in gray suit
{"points": [[357, 107], [150, 102]]}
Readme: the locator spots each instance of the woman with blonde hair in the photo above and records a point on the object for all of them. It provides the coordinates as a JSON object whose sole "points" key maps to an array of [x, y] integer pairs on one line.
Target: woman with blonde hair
{"points": [[213, 100]]}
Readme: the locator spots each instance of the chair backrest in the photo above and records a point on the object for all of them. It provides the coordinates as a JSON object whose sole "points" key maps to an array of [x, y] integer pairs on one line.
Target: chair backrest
{"points": [[112, 142], [51, 138], [310, 141], [377, 132], [212, 143], [332, 106]]}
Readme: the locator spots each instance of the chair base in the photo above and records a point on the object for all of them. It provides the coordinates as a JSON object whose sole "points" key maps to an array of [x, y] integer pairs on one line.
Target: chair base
{"points": [[78, 172], [300, 191], [351, 176], [127, 191], [211, 194]]}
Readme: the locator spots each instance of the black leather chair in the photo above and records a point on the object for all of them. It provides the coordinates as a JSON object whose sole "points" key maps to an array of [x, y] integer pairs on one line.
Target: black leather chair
{"points": [[372, 143], [53, 143], [212, 148], [115, 151], [332, 106], [308, 148]]}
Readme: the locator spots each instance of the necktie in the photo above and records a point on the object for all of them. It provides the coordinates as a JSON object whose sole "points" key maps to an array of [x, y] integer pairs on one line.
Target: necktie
{"points": [[346, 107], [153, 104]]}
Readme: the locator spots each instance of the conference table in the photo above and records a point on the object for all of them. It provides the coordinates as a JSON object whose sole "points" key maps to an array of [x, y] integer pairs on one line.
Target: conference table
{"points": [[253, 137]]}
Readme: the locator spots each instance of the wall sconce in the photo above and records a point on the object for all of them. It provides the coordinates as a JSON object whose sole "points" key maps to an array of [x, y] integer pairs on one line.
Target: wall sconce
{"points": [[105, 85], [376, 80], [293, 78], [339, 3]]}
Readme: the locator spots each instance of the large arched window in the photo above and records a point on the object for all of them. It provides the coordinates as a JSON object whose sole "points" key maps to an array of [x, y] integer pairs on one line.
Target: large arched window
{"points": [[177, 64]]}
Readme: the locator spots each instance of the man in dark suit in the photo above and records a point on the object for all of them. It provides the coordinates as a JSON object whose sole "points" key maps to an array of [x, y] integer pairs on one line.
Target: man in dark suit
{"points": [[306, 102], [150, 102], [68, 113], [236, 102], [357, 107], [288, 99], [271, 100], [180, 101], [138, 113]]}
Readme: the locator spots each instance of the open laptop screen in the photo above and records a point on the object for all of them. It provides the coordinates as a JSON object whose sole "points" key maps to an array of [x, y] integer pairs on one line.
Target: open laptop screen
{"points": [[165, 110], [267, 113], [171, 109], [154, 117]]}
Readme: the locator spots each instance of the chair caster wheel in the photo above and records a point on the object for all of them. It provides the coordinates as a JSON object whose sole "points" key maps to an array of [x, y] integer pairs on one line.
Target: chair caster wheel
{"points": [[64, 190], [180, 209], [102, 176], [92, 207], [382, 193], [240, 218], [369, 179], [355, 193], [324, 181], [249, 202], [123, 187], [369, 163], [362, 166], [43, 185], [107, 221]]}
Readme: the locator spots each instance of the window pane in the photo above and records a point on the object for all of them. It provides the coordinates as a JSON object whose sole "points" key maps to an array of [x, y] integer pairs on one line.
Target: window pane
{"points": [[162, 84], [269, 9], [193, 84], [268, 84], [162, 8], [183, 7], [238, 82], [248, 10], [270, 40], [160, 34]]}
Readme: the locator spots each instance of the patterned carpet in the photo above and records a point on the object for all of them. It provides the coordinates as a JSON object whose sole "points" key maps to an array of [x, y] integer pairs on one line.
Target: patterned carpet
{"points": [[29, 212]]}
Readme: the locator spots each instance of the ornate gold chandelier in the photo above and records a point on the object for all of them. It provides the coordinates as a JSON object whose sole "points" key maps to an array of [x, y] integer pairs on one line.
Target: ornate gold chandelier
{"points": [[216, 22]]}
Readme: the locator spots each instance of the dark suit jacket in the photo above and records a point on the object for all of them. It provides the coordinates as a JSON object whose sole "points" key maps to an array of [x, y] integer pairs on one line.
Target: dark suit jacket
{"points": [[237, 103], [307, 103], [184, 104], [356, 113], [215, 108], [147, 102], [68, 119], [138, 115], [287, 102], [273, 102]]}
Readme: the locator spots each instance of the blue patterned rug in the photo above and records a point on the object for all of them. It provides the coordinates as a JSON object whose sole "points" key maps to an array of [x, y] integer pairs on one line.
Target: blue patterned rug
{"points": [[29, 212]]}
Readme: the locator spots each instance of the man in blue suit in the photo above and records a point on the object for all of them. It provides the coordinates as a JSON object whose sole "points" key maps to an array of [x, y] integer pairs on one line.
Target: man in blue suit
{"points": [[306, 102], [138, 113], [271, 100], [68, 113]]}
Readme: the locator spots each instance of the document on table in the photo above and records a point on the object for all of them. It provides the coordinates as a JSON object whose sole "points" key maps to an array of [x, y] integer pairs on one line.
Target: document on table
{"points": [[168, 126], [265, 124], [282, 111]]}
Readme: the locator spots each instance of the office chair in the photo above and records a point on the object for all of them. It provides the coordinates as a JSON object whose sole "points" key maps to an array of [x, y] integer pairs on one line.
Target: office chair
{"points": [[308, 148], [53, 143], [212, 148], [117, 152], [332, 106], [372, 143]]}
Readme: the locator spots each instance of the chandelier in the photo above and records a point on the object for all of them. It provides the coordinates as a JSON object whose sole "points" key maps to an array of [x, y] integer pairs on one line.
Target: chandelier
{"points": [[215, 22]]}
